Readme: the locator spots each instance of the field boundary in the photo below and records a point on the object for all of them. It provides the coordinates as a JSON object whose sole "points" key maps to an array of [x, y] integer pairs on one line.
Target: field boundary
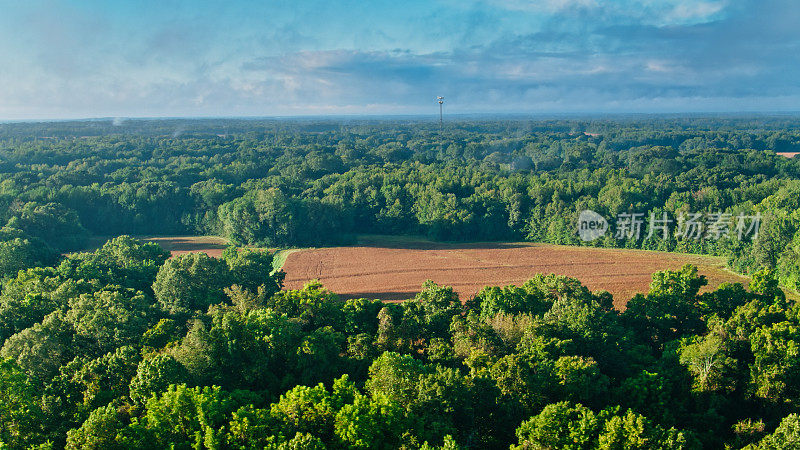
{"points": [[390, 267]]}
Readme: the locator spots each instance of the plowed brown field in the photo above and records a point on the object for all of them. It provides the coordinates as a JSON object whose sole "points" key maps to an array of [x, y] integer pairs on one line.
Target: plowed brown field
{"points": [[176, 245], [392, 269], [179, 245]]}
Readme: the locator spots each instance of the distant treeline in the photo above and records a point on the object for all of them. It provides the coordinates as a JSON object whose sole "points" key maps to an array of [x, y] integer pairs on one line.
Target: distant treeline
{"points": [[312, 182]]}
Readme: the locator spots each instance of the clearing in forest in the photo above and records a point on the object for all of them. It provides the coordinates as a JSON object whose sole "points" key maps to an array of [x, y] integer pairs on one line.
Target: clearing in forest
{"points": [[391, 268], [176, 245]]}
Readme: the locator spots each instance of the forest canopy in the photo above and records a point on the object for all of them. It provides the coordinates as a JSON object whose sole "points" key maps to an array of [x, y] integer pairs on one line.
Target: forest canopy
{"points": [[123, 346], [279, 183]]}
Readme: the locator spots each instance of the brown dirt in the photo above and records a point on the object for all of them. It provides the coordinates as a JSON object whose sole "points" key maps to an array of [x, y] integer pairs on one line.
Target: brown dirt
{"points": [[177, 245], [394, 269]]}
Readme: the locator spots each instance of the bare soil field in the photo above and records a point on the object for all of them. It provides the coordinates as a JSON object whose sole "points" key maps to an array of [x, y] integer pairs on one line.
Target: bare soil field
{"points": [[177, 245], [393, 269]]}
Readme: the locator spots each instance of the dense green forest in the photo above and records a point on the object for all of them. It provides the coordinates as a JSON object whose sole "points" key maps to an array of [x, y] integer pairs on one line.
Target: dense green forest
{"points": [[304, 182], [122, 347]]}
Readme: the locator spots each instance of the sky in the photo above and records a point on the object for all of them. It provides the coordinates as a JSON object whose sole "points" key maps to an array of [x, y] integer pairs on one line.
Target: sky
{"points": [[170, 58]]}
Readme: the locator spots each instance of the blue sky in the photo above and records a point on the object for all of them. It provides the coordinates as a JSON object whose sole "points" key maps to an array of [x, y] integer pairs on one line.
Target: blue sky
{"points": [[91, 58]]}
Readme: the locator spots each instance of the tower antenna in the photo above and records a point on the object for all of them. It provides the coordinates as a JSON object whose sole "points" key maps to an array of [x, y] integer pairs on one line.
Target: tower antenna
{"points": [[440, 99]]}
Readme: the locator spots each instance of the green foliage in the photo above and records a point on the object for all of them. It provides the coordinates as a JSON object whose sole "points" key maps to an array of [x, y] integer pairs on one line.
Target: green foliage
{"points": [[183, 417], [777, 355], [100, 431], [430, 312], [313, 306], [51, 222], [254, 351], [44, 347], [121, 347], [764, 282], [20, 412], [105, 379], [123, 260], [109, 318], [394, 376], [560, 425], [370, 423], [154, 374], [787, 435], [706, 359], [566, 426], [306, 410], [33, 294], [670, 310], [271, 218], [252, 269], [19, 251], [191, 282], [512, 300]]}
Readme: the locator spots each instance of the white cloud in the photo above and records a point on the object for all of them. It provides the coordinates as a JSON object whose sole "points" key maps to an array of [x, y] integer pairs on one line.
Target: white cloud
{"points": [[696, 10]]}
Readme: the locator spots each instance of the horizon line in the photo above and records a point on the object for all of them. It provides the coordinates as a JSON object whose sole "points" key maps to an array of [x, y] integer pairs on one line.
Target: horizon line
{"points": [[516, 115]]}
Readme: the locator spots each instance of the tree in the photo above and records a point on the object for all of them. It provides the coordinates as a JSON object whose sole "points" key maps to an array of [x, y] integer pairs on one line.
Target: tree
{"points": [[44, 347], [99, 432], [446, 403], [670, 310], [20, 412], [724, 300], [395, 376], [567, 426], [318, 355], [183, 417], [191, 282], [252, 269], [306, 409], [361, 316], [560, 425], [432, 309], [106, 378], [253, 351], [110, 318], [511, 300], [30, 296], [19, 251], [774, 374], [525, 385], [765, 283], [154, 374], [313, 306], [787, 435], [707, 360], [374, 422], [123, 261], [581, 381], [266, 217], [52, 222], [634, 431]]}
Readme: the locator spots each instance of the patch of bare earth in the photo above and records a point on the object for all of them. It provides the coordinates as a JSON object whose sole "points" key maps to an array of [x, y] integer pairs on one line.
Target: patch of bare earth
{"points": [[179, 245], [176, 245], [395, 270]]}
